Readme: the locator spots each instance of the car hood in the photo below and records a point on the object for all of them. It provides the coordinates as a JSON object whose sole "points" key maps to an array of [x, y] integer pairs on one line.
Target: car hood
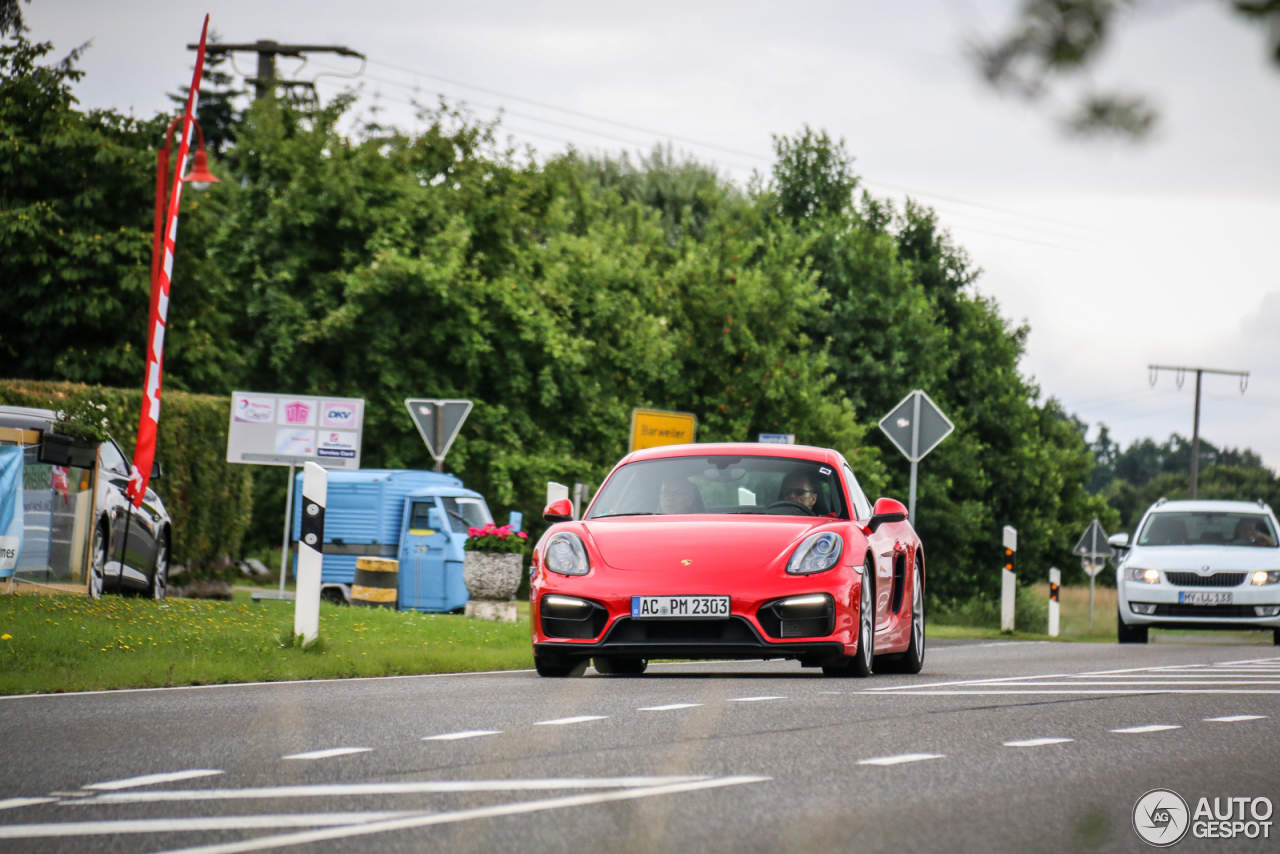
{"points": [[1194, 558], [667, 542]]}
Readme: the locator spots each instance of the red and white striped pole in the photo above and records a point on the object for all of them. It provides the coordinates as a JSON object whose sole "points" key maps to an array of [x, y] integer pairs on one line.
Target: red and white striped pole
{"points": [[144, 452]]}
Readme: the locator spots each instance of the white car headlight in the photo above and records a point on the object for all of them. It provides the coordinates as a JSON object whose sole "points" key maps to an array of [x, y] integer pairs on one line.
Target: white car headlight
{"points": [[1262, 577], [817, 553], [1146, 576], [565, 554]]}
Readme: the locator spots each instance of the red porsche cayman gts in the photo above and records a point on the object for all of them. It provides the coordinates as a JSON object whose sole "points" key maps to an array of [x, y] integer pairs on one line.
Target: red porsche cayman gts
{"points": [[729, 551]]}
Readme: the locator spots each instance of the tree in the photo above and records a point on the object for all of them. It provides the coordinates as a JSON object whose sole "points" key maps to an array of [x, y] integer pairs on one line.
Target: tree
{"points": [[1056, 40]]}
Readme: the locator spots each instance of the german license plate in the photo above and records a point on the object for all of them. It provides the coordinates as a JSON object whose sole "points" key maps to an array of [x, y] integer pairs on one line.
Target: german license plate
{"points": [[695, 607], [1201, 598]]}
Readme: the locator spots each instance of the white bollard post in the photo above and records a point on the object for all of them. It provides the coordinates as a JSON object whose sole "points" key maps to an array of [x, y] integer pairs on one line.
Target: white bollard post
{"points": [[1055, 580], [1008, 580], [306, 609]]}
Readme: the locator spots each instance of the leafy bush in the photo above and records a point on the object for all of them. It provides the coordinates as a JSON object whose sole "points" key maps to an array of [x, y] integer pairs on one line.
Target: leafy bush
{"points": [[1030, 613], [209, 499]]}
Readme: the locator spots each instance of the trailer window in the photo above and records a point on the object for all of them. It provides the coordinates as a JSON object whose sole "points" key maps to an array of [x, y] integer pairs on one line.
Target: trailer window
{"points": [[466, 513]]}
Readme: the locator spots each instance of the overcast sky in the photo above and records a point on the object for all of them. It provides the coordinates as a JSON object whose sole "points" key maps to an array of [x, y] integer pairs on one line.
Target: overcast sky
{"points": [[1116, 255]]}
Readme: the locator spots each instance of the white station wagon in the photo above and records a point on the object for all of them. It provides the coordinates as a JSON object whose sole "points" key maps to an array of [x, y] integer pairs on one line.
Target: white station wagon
{"points": [[1200, 565]]}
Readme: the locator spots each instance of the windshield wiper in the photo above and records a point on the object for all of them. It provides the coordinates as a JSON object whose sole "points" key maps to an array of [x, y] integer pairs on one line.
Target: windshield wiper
{"points": [[611, 515]]}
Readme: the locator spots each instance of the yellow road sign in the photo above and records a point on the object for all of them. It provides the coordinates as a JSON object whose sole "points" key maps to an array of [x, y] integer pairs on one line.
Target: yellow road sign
{"points": [[651, 428]]}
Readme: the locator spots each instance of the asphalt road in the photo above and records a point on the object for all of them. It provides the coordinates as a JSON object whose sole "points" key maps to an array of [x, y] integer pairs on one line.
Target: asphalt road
{"points": [[739, 757]]}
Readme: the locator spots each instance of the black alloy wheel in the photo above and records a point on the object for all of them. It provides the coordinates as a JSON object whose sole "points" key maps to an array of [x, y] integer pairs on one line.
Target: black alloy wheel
{"points": [[613, 665], [860, 663], [1129, 634], [559, 668], [98, 563]]}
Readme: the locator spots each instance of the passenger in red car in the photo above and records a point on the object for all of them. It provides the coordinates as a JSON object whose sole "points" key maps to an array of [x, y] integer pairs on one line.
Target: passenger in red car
{"points": [[679, 496], [799, 488]]}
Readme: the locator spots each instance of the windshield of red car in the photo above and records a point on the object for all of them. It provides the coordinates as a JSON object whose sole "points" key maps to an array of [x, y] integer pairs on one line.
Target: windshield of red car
{"points": [[722, 485]]}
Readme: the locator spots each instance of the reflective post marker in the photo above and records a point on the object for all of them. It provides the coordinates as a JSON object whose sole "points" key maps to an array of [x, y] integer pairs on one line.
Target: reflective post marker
{"points": [[315, 494], [1055, 579], [1008, 580]]}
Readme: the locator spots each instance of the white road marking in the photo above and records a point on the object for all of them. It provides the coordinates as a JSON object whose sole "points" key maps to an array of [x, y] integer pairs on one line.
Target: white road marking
{"points": [[329, 790], [1081, 691], [900, 758], [754, 699], [670, 707], [328, 753], [10, 803], [1231, 719], [1135, 730], [1036, 742], [150, 779], [579, 719], [410, 822], [470, 733], [187, 825]]}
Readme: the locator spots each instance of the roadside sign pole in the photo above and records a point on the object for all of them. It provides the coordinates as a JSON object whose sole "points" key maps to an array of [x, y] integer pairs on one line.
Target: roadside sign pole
{"points": [[1055, 580], [1008, 579], [1094, 550], [288, 523], [306, 607], [915, 459]]}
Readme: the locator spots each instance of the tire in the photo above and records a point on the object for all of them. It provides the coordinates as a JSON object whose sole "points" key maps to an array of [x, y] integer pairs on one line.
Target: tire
{"points": [[98, 563], [1275, 637], [159, 587], [860, 663], [620, 666], [911, 661], [558, 668], [1129, 634]]}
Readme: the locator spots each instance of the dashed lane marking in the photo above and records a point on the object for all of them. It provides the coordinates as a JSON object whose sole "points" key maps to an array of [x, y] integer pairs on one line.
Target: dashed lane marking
{"points": [[578, 719], [900, 758], [328, 753], [455, 736], [1036, 742], [670, 707], [1138, 730], [346, 790], [754, 699], [1234, 719], [187, 825], [416, 821], [151, 779], [11, 803]]}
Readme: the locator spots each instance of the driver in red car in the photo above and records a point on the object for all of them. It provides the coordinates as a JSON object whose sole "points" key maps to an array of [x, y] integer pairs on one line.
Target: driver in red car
{"points": [[799, 488], [679, 496]]}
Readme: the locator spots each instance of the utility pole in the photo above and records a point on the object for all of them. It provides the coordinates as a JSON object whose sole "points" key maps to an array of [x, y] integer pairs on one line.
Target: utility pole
{"points": [[1180, 374], [266, 82]]}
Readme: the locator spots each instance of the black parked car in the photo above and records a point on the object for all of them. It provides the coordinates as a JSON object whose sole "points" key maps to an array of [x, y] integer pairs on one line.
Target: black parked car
{"points": [[142, 564]]}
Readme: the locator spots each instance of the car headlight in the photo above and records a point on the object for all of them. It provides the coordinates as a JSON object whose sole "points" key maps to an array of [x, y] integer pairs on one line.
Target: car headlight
{"points": [[1146, 576], [1262, 577], [565, 554], [817, 553]]}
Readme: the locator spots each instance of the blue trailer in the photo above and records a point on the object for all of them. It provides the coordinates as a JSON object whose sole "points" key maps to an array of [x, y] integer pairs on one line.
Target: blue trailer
{"points": [[417, 517]]}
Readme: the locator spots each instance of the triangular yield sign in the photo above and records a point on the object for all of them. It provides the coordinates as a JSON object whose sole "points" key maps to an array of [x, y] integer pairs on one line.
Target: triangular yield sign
{"points": [[1093, 543], [438, 422]]}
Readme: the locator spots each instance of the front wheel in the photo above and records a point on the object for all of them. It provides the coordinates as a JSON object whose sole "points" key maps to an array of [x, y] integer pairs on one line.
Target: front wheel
{"points": [[620, 666], [160, 572], [98, 563], [859, 664], [559, 668], [1130, 634]]}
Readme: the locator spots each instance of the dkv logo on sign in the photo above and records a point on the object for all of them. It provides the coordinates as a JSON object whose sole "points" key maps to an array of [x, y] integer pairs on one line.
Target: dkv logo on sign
{"points": [[338, 415]]}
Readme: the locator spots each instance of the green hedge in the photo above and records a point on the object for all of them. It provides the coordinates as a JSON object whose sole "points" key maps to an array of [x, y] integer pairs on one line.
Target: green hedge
{"points": [[209, 499]]}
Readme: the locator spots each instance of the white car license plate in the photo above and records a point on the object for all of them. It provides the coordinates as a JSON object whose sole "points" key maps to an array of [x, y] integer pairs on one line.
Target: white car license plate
{"points": [[695, 607], [1200, 598]]}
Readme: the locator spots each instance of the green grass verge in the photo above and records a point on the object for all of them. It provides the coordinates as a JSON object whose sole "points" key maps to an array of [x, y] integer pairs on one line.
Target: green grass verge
{"points": [[66, 643]]}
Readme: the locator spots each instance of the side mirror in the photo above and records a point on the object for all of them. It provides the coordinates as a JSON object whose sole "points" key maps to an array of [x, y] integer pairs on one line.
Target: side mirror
{"points": [[1118, 541], [156, 471], [886, 511], [516, 520], [559, 511], [434, 520]]}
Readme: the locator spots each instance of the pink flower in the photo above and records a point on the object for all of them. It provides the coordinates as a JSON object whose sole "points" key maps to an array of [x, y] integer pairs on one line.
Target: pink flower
{"points": [[474, 532], [522, 535]]}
